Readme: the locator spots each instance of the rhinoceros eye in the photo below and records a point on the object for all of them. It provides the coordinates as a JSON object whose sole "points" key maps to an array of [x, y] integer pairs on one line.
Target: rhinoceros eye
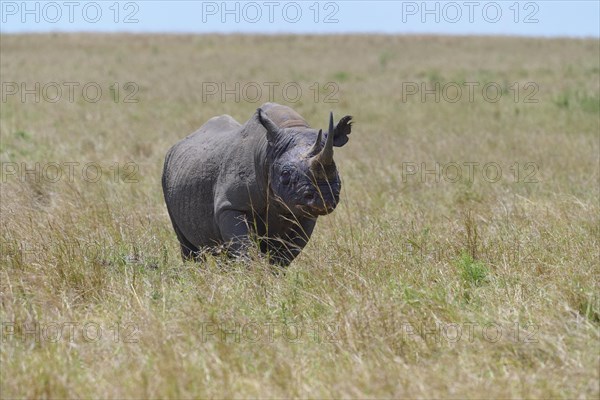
{"points": [[285, 177]]}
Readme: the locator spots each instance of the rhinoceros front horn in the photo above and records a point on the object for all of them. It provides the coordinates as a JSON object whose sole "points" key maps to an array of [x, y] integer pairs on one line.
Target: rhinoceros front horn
{"points": [[325, 157]]}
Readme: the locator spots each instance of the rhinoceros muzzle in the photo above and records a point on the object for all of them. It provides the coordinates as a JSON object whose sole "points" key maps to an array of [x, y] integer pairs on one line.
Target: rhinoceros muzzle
{"points": [[318, 208]]}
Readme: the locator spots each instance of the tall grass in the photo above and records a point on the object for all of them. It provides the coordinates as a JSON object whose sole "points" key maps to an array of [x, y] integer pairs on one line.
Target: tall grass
{"points": [[420, 284]]}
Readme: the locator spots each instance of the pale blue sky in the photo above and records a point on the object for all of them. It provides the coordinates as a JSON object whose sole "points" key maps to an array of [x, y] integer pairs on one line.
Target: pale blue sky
{"points": [[530, 18]]}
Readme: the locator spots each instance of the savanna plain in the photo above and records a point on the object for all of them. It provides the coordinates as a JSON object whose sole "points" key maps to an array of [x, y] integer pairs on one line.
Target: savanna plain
{"points": [[461, 262]]}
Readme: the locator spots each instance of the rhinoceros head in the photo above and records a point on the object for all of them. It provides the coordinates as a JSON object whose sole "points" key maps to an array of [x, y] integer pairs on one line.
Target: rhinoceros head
{"points": [[303, 175]]}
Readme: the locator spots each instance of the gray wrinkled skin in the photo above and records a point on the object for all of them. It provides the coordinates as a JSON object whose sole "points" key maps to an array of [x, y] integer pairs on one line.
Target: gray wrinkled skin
{"points": [[269, 179]]}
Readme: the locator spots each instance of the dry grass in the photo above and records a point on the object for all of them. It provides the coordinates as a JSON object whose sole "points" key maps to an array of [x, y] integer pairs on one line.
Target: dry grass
{"points": [[385, 282]]}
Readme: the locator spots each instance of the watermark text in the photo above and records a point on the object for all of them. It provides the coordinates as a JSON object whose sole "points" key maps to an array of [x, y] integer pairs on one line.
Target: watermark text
{"points": [[69, 171], [253, 12], [69, 331], [255, 92], [55, 12], [469, 171]]}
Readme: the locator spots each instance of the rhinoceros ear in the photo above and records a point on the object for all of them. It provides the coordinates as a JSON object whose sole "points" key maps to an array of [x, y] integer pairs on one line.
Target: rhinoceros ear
{"points": [[272, 129], [342, 130]]}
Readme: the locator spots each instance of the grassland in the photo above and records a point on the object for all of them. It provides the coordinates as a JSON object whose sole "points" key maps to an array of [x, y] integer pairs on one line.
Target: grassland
{"points": [[418, 285]]}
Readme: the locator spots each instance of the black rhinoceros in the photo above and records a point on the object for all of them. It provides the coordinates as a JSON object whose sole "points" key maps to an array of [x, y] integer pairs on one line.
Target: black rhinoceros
{"points": [[230, 185]]}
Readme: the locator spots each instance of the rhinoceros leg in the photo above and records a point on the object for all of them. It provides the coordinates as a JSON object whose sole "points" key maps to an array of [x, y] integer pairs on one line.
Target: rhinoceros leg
{"points": [[286, 246], [189, 252], [234, 232]]}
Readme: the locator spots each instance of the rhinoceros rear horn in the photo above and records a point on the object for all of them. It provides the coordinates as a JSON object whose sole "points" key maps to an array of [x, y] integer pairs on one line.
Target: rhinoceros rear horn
{"points": [[316, 148], [325, 157], [265, 121]]}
